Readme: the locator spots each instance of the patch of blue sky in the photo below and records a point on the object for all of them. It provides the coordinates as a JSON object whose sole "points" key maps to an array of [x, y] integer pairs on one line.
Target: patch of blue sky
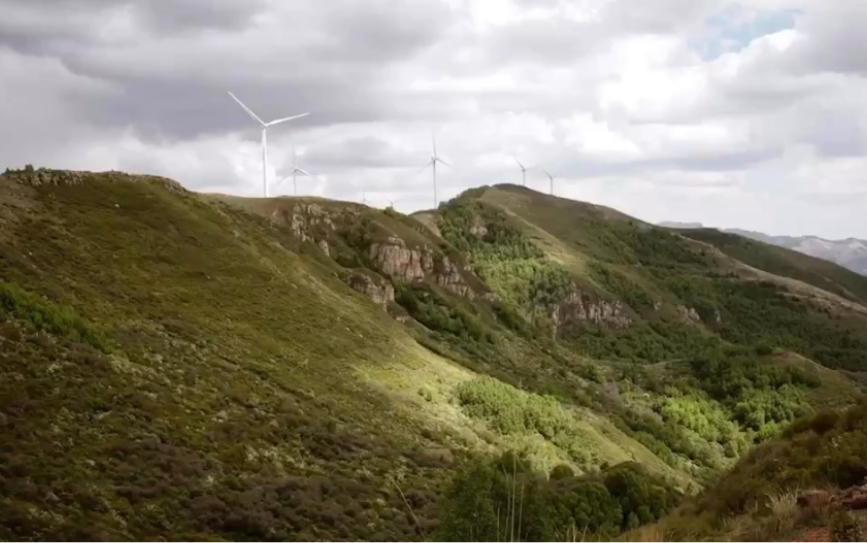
{"points": [[733, 28]]}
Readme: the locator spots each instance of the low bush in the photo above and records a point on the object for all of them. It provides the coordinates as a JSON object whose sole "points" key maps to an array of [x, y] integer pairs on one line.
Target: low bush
{"points": [[42, 314]]}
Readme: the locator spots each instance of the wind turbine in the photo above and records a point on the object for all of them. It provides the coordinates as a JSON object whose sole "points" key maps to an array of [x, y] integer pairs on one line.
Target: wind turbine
{"points": [[264, 136], [551, 178], [294, 173], [433, 163], [523, 171]]}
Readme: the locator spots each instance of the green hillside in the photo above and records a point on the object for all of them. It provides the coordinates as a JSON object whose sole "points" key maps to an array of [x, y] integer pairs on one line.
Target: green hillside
{"points": [[202, 366], [810, 480], [777, 260]]}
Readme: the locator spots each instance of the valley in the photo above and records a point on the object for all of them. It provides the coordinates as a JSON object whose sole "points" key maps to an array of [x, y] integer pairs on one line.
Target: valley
{"points": [[200, 366]]}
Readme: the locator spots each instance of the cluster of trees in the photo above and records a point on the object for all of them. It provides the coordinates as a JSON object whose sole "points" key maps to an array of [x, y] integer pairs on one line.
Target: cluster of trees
{"points": [[505, 499], [760, 395], [505, 258], [512, 411], [655, 247], [429, 308]]}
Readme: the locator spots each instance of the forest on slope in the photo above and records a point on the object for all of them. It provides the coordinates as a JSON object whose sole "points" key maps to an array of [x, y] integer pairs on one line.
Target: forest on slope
{"points": [[202, 366]]}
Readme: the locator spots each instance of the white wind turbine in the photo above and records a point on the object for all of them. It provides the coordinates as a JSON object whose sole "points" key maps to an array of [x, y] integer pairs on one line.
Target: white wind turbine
{"points": [[264, 137], [551, 179], [523, 171], [294, 173], [433, 163]]}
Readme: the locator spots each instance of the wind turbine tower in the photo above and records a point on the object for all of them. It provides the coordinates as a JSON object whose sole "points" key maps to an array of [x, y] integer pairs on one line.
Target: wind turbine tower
{"points": [[294, 173], [551, 179], [264, 137], [523, 171], [433, 164]]}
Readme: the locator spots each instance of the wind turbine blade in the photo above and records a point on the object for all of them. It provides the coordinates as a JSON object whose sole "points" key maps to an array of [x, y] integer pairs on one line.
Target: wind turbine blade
{"points": [[305, 172], [434, 141], [444, 162], [248, 110], [426, 166], [283, 120], [519, 163]]}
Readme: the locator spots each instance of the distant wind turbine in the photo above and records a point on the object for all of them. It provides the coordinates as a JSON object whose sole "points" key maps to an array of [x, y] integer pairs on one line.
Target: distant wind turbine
{"points": [[551, 179], [265, 137], [523, 171], [433, 164], [364, 199], [294, 173]]}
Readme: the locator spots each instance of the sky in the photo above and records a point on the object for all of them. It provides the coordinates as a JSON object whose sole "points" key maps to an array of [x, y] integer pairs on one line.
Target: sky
{"points": [[749, 114]]}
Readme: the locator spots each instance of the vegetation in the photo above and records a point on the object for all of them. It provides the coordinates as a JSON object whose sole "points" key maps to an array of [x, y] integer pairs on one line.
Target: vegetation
{"points": [[40, 314], [511, 411], [504, 499], [824, 451], [190, 366]]}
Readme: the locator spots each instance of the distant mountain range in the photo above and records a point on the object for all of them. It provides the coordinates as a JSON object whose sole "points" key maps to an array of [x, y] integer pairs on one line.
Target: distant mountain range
{"points": [[850, 253]]}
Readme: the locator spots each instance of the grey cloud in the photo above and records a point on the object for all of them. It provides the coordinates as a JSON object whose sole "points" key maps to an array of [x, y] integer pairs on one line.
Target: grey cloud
{"points": [[658, 17], [170, 16], [360, 152], [332, 61], [833, 35], [551, 41], [380, 29]]}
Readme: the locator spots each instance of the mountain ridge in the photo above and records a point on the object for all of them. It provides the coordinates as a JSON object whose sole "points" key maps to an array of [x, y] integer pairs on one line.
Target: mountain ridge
{"points": [[850, 252], [299, 368]]}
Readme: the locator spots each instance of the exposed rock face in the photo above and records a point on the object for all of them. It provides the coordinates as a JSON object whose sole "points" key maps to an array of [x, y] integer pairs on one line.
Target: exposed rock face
{"points": [[578, 309], [378, 290], [304, 220], [323, 245], [391, 257], [854, 497], [448, 275], [400, 262], [478, 229], [689, 313]]}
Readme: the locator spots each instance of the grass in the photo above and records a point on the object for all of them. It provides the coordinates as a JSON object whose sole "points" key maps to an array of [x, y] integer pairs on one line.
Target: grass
{"points": [[217, 355], [182, 365]]}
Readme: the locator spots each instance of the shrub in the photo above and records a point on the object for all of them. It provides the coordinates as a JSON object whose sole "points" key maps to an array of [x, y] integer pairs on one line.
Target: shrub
{"points": [[502, 498], [44, 315], [845, 527]]}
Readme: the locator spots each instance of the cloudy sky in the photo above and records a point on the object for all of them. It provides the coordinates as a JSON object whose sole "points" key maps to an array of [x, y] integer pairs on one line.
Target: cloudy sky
{"points": [[747, 113]]}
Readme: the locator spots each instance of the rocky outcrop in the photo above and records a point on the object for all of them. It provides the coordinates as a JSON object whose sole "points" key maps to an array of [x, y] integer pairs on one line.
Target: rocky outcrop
{"points": [[393, 258], [688, 313], [578, 309], [376, 288], [307, 221], [448, 275], [478, 229], [854, 497], [398, 261], [323, 246]]}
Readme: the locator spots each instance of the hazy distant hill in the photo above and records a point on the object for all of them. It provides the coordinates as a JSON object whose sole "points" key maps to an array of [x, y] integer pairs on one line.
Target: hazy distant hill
{"points": [[850, 253]]}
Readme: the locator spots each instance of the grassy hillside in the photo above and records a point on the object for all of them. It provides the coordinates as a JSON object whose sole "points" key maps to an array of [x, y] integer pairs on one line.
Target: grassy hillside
{"points": [[805, 482], [203, 366], [786, 263]]}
